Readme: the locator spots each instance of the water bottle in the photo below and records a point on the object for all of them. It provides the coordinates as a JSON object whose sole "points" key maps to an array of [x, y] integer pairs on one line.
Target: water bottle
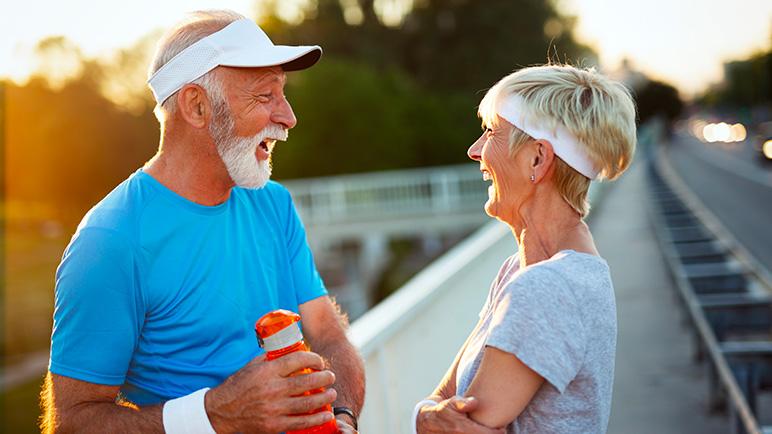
{"points": [[278, 333]]}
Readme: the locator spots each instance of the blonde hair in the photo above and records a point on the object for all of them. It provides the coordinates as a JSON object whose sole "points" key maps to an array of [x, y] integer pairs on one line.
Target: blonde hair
{"points": [[597, 110]]}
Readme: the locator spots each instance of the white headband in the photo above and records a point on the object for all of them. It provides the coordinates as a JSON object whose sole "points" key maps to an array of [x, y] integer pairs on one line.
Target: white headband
{"points": [[565, 145], [241, 43]]}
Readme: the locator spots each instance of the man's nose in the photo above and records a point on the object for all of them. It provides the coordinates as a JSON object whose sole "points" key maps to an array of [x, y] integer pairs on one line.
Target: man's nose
{"points": [[283, 114]]}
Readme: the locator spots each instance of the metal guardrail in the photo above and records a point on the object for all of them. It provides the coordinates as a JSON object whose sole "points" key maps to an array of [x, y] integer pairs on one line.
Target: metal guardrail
{"points": [[725, 291]]}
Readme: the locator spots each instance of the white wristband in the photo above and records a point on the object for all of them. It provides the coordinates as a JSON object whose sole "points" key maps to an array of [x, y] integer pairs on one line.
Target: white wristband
{"points": [[417, 409], [187, 415]]}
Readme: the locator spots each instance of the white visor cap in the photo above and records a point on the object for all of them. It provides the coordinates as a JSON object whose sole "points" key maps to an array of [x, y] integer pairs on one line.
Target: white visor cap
{"points": [[241, 43]]}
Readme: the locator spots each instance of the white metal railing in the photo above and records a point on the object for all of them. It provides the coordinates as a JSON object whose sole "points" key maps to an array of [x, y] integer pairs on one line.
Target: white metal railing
{"points": [[388, 194], [409, 339]]}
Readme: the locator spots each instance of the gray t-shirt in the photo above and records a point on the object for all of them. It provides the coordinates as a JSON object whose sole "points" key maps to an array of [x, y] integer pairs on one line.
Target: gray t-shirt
{"points": [[559, 318]]}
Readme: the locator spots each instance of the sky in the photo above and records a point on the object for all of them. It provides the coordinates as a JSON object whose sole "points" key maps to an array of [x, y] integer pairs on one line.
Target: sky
{"points": [[684, 42]]}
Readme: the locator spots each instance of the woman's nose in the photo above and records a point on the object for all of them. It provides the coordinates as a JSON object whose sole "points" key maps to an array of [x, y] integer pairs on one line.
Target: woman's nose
{"points": [[474, 151]]}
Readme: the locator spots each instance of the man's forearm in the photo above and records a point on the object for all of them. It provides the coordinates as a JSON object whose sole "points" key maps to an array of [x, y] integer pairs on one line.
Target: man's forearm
{"points": [[102, 417], [349, 371], [93, 410]]}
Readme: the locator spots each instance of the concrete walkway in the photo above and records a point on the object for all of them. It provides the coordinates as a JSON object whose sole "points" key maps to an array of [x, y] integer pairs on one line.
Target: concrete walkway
{"points": [[658, 388]]}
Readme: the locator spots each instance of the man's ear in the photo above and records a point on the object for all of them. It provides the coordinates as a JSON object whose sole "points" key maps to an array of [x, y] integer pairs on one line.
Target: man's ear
{"points": [[193, 105], [543, 158]]}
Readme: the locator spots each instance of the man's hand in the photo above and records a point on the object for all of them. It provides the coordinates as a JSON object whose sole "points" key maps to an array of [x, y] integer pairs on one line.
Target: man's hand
{"points": [[344, 427], [451, 417], [262, 396]]}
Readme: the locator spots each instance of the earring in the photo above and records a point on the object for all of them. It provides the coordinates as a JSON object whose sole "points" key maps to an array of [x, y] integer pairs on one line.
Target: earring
{"points": [[533, 178]]}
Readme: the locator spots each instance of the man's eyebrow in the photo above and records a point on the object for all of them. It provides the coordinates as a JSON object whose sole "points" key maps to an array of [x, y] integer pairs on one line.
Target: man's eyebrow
{"points": [[269, 78]]}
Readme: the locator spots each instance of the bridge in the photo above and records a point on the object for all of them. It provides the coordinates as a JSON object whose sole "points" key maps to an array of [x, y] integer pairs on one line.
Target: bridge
{"points": [[390, 203], [409, 339], [350, 219]]}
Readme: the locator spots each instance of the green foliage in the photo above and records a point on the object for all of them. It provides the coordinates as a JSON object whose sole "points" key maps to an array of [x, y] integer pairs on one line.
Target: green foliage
{"points": [[394, 97], [382, 97], [353, 117], [70, 147], [456, 46]]}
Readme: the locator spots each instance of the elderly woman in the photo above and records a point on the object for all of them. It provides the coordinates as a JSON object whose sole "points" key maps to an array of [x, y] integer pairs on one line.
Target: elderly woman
{"points": [[541, 358]]}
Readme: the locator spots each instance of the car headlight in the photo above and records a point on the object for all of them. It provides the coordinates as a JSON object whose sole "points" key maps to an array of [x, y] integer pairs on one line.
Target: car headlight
{"points": [[767, 149]]}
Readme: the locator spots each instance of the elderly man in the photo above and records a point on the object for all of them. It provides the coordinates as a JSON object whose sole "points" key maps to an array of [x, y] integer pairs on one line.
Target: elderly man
{"points": [[158, 292]]}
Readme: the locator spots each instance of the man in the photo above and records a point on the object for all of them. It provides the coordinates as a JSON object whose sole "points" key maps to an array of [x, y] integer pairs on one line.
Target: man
{"points": [[158, 292]]}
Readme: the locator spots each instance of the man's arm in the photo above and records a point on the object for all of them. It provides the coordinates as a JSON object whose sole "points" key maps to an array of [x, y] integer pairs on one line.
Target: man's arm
{"points": [[261, 397], [71, 405], [324, 330]]}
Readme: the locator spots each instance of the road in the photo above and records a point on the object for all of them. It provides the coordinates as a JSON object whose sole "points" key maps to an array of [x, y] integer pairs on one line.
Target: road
{"points": [[657, 387], [733, 184]]}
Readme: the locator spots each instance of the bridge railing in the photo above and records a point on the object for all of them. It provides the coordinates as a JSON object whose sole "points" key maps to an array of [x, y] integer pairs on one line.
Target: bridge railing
{"points": [[726, 294], [387, 194]]}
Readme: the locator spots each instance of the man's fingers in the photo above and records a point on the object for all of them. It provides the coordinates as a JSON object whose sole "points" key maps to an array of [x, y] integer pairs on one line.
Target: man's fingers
{"points": [[304, 404], [296, 361], [315, 380], [292, 423]]}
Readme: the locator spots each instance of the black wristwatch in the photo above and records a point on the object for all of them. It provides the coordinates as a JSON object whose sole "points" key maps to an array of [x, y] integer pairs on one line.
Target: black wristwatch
{"points": [[348, 412]]}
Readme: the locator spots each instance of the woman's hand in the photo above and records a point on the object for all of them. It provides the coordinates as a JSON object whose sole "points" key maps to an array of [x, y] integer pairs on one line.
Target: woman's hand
{"points": [[344, 427], [451, 417]]}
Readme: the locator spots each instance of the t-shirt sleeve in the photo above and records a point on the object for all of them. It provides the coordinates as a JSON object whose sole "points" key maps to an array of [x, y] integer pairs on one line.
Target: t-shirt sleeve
{"points": [[495, 284], [537, 319], [308, 282], [98, 309]]}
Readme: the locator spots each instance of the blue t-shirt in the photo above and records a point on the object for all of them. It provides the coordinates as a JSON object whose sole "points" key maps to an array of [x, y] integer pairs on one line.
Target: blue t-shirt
{"points": [[159, 295]]}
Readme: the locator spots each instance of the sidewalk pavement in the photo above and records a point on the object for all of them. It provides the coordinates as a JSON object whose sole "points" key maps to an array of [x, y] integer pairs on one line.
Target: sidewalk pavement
{"points": [[657, 388]]}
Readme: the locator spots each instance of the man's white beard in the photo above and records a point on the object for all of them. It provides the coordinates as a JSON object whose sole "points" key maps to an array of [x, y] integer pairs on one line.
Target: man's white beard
{"points": [[238, 153]]}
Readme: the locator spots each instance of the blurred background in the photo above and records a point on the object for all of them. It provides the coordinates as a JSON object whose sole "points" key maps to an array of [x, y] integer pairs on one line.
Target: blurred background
{"points": [[377, 164]]}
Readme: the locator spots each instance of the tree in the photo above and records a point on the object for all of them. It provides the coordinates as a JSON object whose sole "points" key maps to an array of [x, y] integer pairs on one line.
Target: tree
{"points": [[656, 98], [456, 46], [747, 83], [407, 93]]}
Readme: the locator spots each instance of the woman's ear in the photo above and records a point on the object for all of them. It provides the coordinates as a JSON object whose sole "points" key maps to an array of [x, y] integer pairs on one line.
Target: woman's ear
{"points": [[542, 159]]}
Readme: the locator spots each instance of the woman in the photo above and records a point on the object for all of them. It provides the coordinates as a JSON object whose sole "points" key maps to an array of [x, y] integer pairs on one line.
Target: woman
{"points": [[541, 358]]}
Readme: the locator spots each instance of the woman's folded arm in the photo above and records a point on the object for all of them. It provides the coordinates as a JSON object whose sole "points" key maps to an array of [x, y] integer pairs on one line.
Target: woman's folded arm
{"points": [[504, 386]]}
